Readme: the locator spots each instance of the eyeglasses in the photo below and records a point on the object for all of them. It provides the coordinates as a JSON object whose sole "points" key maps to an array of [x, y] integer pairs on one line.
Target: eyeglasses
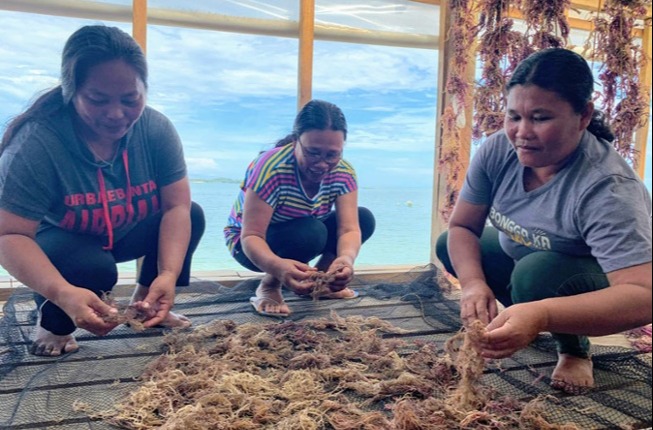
{"points": [[314, 155]]}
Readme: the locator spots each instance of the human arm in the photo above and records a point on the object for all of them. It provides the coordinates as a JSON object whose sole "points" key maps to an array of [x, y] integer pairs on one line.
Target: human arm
{"points": [[465, 228], [256, 219], [349, 240], [174, 236], [624, 305], [22, 257]]}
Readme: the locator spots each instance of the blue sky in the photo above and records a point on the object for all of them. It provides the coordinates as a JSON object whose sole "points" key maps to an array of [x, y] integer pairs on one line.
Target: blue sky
{"points": [[232, 95]]}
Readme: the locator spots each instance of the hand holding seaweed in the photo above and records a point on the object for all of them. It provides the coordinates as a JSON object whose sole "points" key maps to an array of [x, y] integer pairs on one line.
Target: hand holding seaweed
{"points": [[129, 314], [323, 282]]}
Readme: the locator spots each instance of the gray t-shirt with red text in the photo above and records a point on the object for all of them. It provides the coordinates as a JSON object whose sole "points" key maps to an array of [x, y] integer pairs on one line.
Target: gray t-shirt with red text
{"points": [[47, 174]]}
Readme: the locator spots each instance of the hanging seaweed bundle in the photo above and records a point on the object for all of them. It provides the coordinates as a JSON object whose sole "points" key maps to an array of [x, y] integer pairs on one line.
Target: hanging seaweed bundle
{"points": [[546, 22], [451, 162], [622, 99], [500, 48]]}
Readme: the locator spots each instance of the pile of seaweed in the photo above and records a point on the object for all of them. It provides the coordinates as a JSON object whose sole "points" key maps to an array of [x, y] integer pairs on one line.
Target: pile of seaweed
{"points": [[332, 373]]}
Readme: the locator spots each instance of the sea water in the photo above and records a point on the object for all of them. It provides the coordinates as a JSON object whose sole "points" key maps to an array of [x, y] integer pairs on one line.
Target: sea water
{"points": [[402, 236]]}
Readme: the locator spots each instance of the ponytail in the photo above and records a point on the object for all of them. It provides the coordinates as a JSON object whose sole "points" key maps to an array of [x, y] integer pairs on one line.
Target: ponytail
{"points": [[45, 106]]}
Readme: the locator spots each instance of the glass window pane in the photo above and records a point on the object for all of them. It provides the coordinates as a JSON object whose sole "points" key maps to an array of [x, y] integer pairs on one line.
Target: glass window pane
{"points": [[115, 2], [401, 16], [229, 96], [260, 9], [647, 156], [388, 96], [31, 64]]}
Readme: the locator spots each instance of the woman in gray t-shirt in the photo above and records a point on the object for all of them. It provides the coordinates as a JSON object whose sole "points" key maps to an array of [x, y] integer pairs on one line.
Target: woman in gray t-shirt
{"points": [[569, 250]]}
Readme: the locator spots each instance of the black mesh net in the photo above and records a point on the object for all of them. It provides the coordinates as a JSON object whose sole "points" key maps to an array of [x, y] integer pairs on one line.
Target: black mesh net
{"points": [[42, 392]]}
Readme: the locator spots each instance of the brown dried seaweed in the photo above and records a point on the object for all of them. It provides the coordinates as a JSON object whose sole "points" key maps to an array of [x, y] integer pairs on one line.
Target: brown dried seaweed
{"points": [[127, 313], [323, 281], [336, 373], [622, 99], [451, 162], [468, 395]]}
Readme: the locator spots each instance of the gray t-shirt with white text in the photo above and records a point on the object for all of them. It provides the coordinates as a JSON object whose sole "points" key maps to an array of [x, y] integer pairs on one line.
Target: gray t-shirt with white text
{"points": [[596, 205]]}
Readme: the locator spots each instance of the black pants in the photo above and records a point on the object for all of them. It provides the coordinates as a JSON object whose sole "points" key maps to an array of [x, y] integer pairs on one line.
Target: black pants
{"points": [[303, 239], [83, 263]]}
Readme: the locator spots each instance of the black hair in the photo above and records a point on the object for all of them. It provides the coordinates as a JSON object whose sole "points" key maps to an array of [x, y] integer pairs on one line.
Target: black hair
{"points": [[85, 48], [567, 74], [316, 115]]}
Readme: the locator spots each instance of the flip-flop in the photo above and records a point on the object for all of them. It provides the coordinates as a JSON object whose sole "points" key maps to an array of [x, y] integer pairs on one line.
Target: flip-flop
{"points": [[355, 296], [255, 301]]}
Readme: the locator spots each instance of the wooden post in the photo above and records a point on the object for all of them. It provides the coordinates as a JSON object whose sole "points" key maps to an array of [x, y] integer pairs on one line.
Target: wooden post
{"points": [[642, 138], [139, 32], [445, 52], [306, 38], [139, 23]]}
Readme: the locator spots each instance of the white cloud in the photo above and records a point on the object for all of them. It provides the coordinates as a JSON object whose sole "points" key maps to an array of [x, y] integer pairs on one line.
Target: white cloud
{"points": [[232, 95], [346, 67], [411, 130], [31, 51]]}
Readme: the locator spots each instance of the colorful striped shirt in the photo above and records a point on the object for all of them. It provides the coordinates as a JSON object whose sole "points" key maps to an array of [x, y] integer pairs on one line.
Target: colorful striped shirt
{"points": [[274, 177]]}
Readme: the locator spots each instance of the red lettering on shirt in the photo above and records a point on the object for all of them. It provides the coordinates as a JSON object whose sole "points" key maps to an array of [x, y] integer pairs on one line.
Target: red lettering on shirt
{"points": [[118, 216], [98, 225], [86, 212], [142, 210], [83, 225], [68, 221]]}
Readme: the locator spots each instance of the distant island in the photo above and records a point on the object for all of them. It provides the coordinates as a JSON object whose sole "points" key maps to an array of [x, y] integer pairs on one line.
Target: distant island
{"points": [[214, 180]]}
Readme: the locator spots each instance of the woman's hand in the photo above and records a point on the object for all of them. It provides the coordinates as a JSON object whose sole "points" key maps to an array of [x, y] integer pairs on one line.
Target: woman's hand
{"points": [[477, 303], [295, 275], [513, 329], [159, 300], [86, 310], [343, 270]]}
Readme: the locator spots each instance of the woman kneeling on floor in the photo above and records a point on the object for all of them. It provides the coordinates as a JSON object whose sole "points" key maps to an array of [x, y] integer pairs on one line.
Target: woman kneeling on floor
{"points": [[570, 247], [89, 177]]}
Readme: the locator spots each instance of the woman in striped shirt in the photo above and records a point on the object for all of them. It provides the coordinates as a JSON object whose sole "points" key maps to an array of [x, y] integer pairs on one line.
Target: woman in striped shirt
{"points": [[284, 215]]}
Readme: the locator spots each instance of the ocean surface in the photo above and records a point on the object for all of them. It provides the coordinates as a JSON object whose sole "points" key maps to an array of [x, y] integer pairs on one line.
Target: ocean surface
{"points": [[402, 236]]}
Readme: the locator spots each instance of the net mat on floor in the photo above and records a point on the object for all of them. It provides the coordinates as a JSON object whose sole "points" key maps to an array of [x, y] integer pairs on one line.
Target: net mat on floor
{"points": [[40, 392]]}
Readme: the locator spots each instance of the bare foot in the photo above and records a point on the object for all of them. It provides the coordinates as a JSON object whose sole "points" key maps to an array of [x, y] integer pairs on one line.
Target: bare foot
{"points": [[269, 299], [573, 375], [346, 293], [173, 320], [51, 345]]}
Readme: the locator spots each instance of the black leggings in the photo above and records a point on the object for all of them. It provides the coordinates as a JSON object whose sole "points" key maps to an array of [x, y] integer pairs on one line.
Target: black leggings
{"points": [[537, 276], [82, 262], [303, 239]]}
